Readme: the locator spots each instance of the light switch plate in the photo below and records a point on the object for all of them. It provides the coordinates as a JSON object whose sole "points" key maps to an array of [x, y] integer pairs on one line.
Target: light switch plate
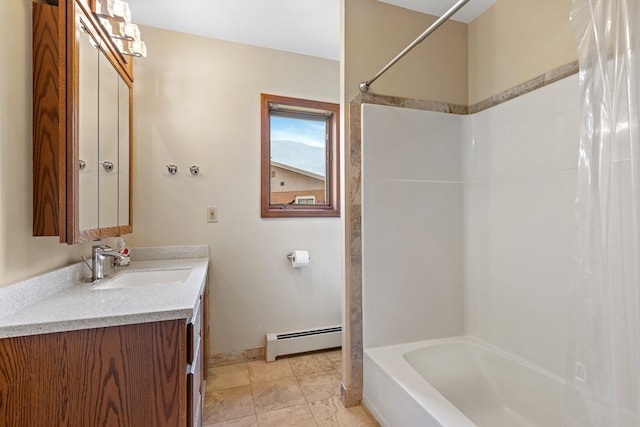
{"points": [[212, 214]]}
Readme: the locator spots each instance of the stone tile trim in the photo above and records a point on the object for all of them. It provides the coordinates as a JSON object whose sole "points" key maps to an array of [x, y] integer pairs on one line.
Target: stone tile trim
{"points": [[526, 87], [350, 397], [442, 107], [417, 104], [351, 388]]}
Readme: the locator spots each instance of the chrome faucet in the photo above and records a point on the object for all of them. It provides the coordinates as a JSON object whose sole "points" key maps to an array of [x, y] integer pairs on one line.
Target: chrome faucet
{"points": [[98, 255]]}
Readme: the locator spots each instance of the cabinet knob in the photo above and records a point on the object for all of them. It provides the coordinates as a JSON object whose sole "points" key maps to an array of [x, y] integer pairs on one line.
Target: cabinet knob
{"points": [[107, 165]]}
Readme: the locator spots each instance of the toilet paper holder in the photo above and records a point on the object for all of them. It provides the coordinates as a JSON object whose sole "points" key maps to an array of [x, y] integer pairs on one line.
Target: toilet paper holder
{"points": [[291, 256]]}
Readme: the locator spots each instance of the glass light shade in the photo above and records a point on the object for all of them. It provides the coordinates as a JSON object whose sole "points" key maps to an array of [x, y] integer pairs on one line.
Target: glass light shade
{"points": [[140, 48], [115, 9], [120, 9], [115, 17], [134, 48], [121, 30], [130, 31]]}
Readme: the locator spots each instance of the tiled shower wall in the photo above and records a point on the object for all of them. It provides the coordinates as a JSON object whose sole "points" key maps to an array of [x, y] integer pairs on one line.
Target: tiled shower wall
{"points": [[412, 224], [520, 227]]}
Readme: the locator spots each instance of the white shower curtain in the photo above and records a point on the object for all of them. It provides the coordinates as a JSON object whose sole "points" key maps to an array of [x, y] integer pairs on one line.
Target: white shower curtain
{"points": [[603, 368]]}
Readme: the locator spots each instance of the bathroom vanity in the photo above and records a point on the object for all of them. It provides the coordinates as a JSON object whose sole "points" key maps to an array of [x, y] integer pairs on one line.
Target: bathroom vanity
{"points": [[124, 351]]}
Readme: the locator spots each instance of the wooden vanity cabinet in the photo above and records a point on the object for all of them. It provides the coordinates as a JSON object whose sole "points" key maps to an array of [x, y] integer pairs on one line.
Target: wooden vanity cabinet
{"points": [[116, 376], [133, 375]]}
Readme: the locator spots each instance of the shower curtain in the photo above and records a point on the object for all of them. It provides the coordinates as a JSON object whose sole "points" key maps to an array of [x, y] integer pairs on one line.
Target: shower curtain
{"points": [[604, 356]]}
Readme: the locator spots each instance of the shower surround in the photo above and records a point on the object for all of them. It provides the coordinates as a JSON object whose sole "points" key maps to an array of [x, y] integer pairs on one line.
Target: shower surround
{"points": [[468, 225], [353, 321], [488, 213]]}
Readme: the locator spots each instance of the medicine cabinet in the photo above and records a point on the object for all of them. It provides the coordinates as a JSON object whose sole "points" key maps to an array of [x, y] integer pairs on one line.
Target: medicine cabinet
{"points": [[82, 120]]}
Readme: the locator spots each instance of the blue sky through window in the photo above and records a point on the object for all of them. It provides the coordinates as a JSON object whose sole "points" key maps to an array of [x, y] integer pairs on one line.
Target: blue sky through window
{"points": [[298, 142]]}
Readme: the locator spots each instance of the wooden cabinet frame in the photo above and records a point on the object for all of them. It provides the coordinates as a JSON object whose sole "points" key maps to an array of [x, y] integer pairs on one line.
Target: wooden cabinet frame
{"points": [[55, 119], [332, 190]]}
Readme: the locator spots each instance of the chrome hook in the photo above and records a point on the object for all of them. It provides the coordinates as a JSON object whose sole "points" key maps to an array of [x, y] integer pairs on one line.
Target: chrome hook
{"points": [[195, 170], [173, 169]]}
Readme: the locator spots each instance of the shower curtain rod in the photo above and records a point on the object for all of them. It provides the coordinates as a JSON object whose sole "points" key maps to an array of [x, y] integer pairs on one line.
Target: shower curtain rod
{"points": [[364, 86]]}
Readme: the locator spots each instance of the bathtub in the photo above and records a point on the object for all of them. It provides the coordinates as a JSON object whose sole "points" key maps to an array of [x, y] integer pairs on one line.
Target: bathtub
{"points": [[458, 382]]}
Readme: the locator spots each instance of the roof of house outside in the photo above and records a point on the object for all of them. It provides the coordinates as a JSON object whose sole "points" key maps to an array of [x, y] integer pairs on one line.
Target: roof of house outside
{"points": [[299, 156], [298, 171]]}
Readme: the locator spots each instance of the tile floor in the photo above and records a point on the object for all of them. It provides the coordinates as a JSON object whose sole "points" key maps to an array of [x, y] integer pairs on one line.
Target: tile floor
{"points": [[297, 391]]}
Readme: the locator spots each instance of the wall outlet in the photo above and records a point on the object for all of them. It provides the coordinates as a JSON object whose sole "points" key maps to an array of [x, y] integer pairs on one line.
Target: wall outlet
{"points": [[212, 214]]}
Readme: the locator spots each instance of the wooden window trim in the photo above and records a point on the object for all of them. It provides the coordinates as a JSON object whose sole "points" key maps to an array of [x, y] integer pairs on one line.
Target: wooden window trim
{"points": [[332, 208]]}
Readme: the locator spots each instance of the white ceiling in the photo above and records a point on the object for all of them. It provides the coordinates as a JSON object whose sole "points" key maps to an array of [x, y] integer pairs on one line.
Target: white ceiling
{"points": [[468, 13], [309, 27]]}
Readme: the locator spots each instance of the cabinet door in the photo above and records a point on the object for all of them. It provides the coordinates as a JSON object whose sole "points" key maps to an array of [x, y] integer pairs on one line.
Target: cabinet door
{"points": [[87, 130], [124, 168], [108, 144], [123, 376]]}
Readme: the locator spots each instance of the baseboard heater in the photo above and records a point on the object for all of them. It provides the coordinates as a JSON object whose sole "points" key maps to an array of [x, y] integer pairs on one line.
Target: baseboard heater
{"points": [[282, 343]]}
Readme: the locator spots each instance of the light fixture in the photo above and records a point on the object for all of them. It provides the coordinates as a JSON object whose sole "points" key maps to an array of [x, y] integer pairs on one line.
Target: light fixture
{"points": [[116, 9], [115, 17], [121, 30], [134, 48]]}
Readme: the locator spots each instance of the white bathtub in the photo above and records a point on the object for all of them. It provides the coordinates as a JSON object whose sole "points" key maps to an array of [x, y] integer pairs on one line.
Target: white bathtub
{"points": [[458, 382]]}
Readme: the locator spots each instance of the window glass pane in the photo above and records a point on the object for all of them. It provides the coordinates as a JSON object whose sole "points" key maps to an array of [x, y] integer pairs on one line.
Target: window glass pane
{"points": [[298, 159]]}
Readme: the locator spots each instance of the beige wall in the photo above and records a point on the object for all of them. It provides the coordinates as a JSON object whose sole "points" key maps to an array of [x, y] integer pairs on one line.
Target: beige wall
{"points": [[21, 255], [375, 32], [515, 41], [511, 43], [197, 101]]}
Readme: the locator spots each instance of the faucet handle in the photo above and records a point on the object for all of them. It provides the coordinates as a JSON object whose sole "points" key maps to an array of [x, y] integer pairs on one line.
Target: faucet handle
{"points": [[100, 248]]}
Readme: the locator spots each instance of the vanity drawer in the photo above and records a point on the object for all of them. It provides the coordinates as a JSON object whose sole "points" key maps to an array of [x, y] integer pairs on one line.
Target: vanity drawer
{"points": [[194, 334], [196, 361], [195, 393]]}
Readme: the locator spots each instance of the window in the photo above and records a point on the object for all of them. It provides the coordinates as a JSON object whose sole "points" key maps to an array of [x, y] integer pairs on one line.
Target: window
{"points": [[300, 158]]}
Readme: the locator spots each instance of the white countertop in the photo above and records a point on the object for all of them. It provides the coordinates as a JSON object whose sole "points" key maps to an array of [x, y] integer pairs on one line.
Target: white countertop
{"points": [[82, 307]]}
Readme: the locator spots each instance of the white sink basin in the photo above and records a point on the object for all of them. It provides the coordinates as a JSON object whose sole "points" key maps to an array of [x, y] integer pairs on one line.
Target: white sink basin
{"points": [[144, 278]]}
